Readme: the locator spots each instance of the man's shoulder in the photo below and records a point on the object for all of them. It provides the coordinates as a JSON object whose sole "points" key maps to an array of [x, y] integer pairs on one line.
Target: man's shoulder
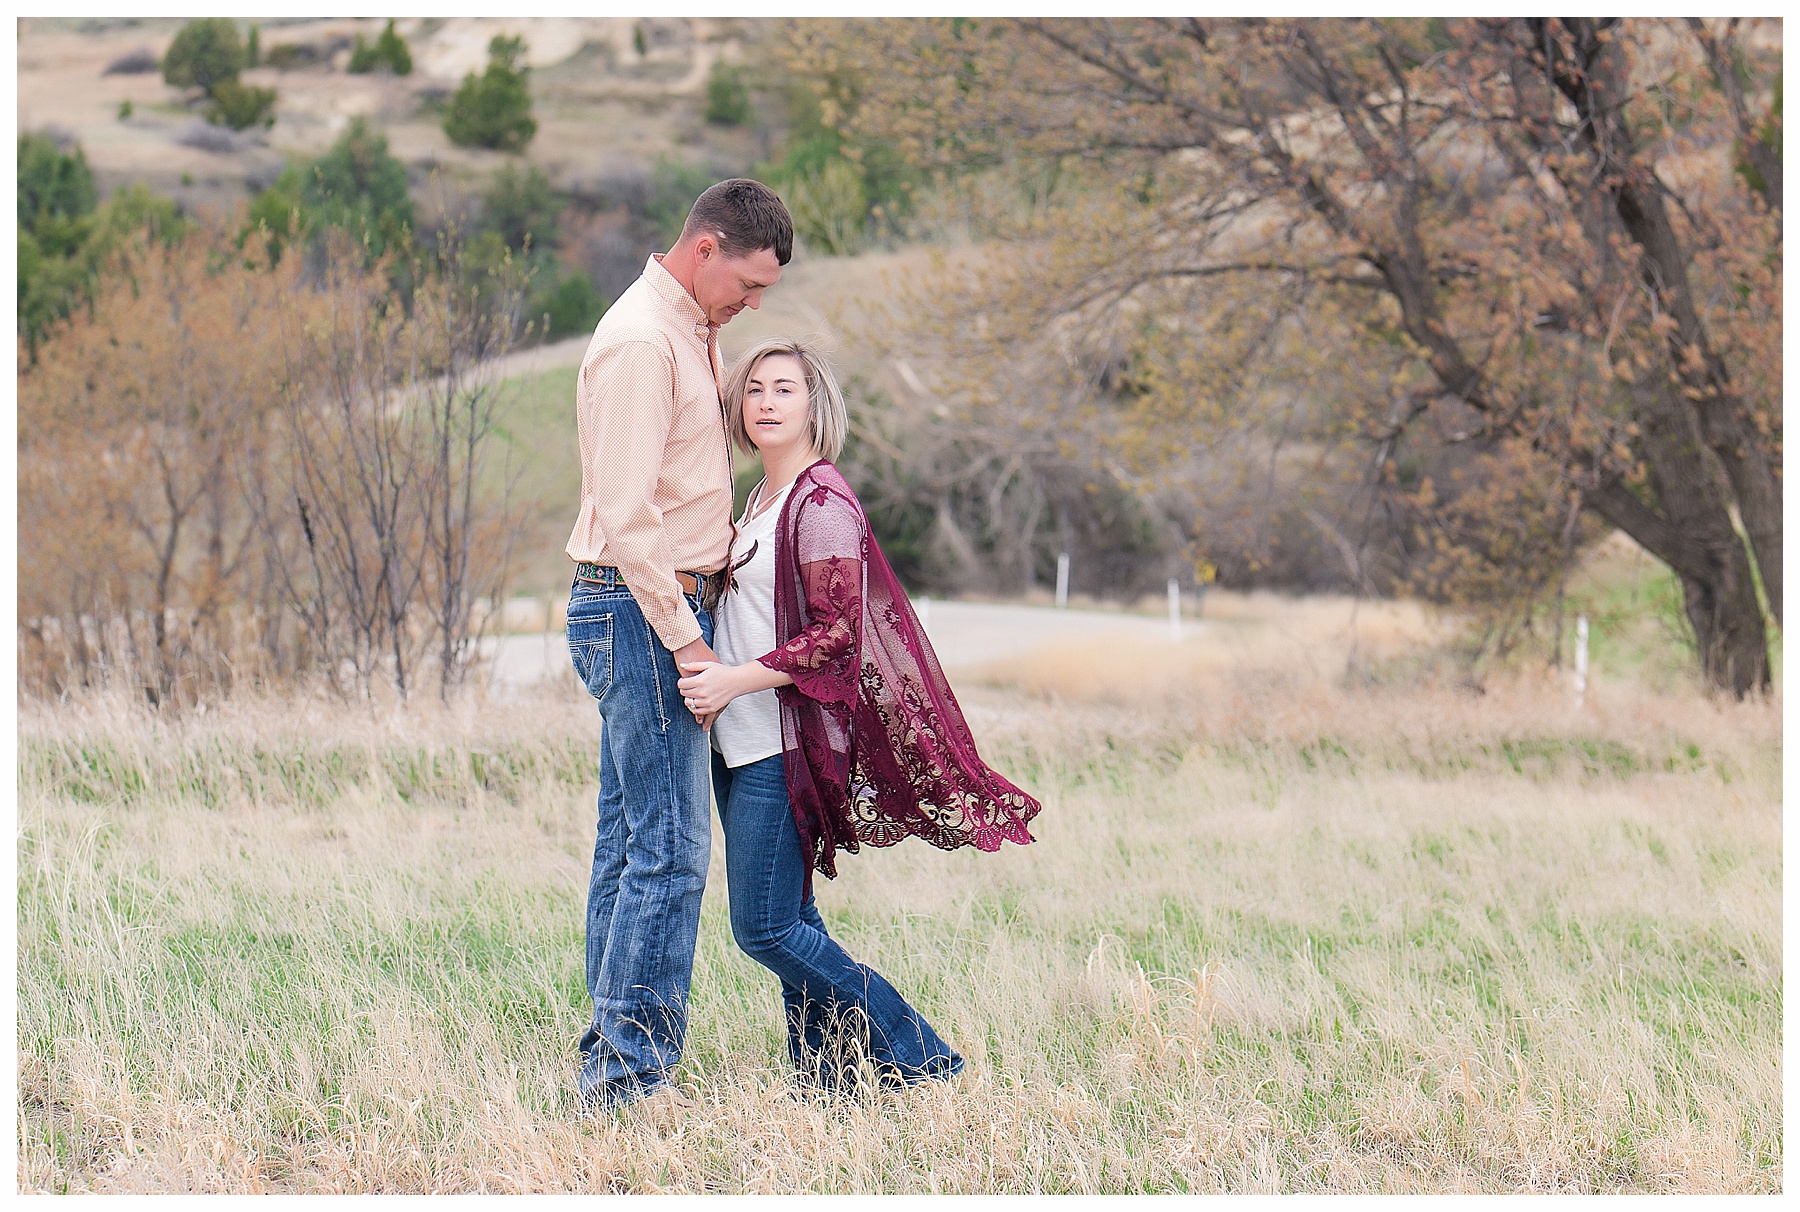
{"points": [[627, 324]]}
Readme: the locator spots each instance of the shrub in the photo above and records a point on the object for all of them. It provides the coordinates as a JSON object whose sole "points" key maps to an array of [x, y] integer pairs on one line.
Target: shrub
{"points": [[278, 213], [241, 106], [356, 185], [569, 305], [673, 188], [523, 209], [284, 56], [206, 53], [727, 100], [253, 47], [204, 135], [494, 109], [389, 51], [362, 58], [132, 63]]}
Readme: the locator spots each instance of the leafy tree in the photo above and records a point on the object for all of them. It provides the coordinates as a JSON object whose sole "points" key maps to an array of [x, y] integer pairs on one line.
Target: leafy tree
{"points": [[293, 462], [357, 185], [389, 50], [493, 110], [253, 47], [1514, 309], [53, 184], [65, 237], [727, 97], [148, 407], [205, 53]]}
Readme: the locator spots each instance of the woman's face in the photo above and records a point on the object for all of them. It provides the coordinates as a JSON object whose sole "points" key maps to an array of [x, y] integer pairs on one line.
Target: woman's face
{"points": [[776, 405]]}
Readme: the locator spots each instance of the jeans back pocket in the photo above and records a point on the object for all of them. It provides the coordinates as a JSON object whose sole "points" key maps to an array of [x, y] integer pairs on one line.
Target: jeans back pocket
{"points": [[590, 647]]}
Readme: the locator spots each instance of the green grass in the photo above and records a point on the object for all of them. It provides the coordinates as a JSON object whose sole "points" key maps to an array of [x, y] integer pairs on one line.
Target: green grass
{"points": [[263, 955]]}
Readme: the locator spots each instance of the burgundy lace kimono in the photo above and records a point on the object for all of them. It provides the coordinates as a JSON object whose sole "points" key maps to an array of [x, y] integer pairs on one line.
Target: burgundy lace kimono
{"points": [[873, 744]]}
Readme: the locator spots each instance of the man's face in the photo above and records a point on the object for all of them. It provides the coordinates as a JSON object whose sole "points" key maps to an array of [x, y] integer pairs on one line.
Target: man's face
{"points": [[724, 286]]}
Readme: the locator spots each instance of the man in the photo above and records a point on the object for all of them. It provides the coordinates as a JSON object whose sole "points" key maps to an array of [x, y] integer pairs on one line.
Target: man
{"points": [[650, 547]]}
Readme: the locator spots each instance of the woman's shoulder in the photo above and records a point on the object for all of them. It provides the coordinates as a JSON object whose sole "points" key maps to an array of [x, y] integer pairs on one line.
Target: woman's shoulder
{"points": [[822, 491], [823, 482]]}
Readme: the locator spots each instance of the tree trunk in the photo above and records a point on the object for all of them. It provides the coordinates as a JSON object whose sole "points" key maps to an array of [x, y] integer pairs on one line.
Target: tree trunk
{"points": [[1597, 84], [1694, 536]]}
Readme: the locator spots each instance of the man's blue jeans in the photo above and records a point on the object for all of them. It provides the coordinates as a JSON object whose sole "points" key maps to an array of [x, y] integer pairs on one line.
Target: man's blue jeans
{"points": [[840, 1014], [651, 846]]}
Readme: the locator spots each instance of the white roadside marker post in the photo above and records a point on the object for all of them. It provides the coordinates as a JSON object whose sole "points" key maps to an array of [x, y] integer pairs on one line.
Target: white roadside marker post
{"points": [[925, 613], [1581, 641], [1062, 581], [1174, 609]]}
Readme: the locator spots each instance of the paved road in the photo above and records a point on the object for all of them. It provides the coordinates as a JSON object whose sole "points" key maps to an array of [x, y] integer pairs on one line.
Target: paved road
{"points": [[963, 634]]}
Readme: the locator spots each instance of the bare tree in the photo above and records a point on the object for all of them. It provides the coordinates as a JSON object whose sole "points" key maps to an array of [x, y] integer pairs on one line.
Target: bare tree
{"points": [[135, 425], [459, 330]]}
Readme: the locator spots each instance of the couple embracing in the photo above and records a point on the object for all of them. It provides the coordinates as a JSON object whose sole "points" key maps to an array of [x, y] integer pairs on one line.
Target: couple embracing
{"points": [[774, 667]]}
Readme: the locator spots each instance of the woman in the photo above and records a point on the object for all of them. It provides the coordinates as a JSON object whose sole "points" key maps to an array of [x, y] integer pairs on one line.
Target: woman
{"points": [[832, 725]]}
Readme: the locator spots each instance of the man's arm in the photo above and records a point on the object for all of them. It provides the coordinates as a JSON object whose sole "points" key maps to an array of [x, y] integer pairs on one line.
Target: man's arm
{"points": [[627, 396]]}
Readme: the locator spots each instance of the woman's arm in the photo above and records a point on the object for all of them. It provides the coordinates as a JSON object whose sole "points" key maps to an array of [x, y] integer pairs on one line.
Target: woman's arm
{"points": [[827, 547], [710, 686]]}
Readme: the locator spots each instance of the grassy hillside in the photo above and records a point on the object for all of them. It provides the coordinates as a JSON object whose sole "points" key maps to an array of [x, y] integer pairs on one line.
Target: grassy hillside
{"points": [[537, 425]]}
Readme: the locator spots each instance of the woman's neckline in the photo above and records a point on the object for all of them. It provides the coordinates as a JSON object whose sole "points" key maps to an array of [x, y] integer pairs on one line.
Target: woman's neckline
{"points": [[756, 493], [751, 512]]}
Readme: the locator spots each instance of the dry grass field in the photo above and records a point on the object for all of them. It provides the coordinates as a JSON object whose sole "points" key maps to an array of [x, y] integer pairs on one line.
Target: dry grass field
{"points": [[1282, 931]]}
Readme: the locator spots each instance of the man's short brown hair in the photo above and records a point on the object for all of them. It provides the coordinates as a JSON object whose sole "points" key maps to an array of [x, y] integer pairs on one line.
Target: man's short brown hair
{"points": [[746, 216]]}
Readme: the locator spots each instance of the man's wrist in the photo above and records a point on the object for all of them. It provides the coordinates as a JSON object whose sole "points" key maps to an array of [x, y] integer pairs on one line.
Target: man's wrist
{"points": [[682, 638]]}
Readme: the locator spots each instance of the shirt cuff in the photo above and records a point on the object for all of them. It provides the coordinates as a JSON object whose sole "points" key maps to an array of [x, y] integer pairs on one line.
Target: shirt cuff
{"points": [[681, 630]]}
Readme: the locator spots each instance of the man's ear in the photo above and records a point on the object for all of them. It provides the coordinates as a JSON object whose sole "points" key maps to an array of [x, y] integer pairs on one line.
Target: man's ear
{"points": [[704, 248]]}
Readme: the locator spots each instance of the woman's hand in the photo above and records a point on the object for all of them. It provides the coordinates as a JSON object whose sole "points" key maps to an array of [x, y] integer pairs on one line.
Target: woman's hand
{"points": [[710, 686]]}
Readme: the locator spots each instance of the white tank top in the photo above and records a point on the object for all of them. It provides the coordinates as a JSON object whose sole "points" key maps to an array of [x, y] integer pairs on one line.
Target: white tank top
{"points": [[749, 729]]}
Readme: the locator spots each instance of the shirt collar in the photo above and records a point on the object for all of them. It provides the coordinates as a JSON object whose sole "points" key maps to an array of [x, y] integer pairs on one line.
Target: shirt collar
{"points": [[675, 296]]}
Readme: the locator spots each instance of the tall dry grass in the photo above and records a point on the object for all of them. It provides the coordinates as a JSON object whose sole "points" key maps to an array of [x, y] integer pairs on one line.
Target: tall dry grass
{"points": [[1282, 930]]}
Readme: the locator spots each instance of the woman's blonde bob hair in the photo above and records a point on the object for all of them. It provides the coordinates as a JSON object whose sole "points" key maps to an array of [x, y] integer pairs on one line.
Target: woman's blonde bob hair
{"points": [[827, 422]]}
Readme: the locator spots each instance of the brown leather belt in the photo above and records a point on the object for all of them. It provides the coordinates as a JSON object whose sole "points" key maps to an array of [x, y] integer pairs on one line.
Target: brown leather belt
{"points": [[606, 574]]}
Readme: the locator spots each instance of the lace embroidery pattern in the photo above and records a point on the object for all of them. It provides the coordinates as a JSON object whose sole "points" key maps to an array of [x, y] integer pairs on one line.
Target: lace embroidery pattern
{"points": [[875, 748]]}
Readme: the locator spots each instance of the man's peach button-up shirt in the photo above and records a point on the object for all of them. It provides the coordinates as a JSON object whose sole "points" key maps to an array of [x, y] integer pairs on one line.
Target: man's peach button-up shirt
{"points": [[655, 461]]}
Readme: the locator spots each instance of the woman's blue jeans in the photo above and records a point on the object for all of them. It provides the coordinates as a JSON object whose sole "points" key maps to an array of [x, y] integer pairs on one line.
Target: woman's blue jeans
{"points": [[652, 842], [845, 1022]]}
